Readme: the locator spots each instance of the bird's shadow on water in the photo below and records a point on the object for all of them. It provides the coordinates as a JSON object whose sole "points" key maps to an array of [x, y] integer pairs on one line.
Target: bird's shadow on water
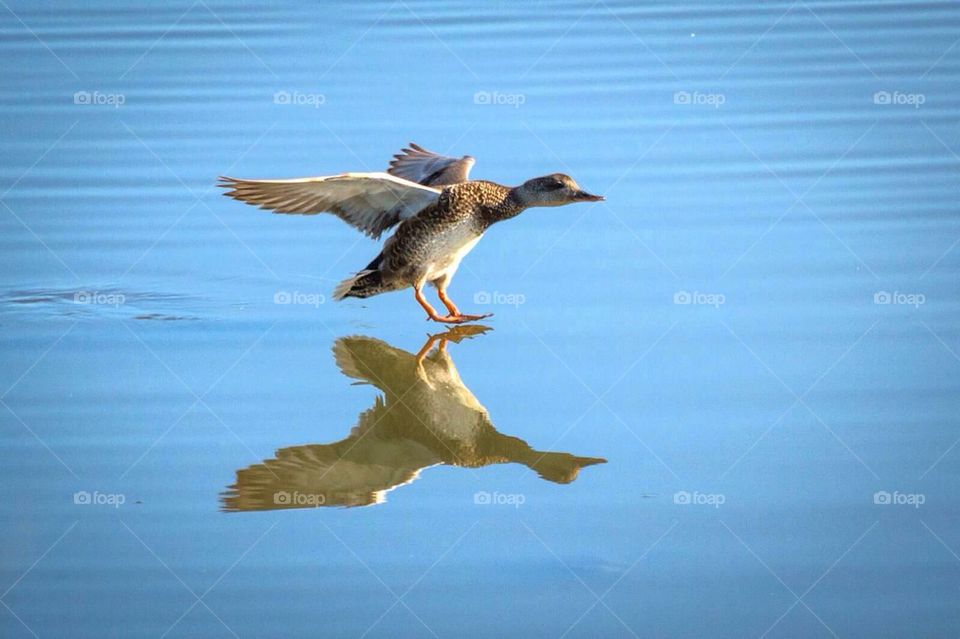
{"points": [[425, 416]]}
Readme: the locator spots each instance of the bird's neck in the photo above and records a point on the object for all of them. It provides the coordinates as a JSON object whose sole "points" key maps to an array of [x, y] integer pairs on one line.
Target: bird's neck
{"points": [[507, 207]]}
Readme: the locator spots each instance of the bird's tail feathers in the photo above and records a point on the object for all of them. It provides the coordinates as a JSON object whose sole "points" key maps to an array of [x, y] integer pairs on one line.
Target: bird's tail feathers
{"points": [[364, 284]]}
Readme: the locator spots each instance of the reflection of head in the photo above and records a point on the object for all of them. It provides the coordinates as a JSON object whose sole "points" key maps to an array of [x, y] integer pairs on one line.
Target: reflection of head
{"points": [[562, 468], [493, 447], [426, 416]]}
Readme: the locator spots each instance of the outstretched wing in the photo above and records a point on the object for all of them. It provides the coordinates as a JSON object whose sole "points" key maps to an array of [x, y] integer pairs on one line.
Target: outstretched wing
{"points": [[371, 202], [417, 164]]}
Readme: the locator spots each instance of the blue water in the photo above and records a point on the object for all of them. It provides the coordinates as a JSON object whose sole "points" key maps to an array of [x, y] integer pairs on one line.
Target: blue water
{"points": [[690, 409]]}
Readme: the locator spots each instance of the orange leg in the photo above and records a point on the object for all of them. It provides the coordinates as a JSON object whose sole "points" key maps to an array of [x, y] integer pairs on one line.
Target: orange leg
{"points": [[454, 311], [442, 294], [425, 349], [455, 334], [441, 341], [432, 313]]}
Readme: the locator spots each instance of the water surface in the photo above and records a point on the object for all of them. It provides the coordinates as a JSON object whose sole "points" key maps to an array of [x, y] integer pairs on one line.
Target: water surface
{"points": [[757, 332]]}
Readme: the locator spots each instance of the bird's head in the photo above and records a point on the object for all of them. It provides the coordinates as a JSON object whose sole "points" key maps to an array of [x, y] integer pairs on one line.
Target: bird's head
{"points": [[555, 189]]}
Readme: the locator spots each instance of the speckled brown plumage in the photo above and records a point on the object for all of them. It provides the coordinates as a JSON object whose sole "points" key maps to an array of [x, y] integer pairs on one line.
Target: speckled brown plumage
{"points": [[461, 214]]}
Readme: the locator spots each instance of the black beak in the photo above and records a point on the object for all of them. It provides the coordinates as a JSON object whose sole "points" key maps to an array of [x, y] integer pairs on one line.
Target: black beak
{"points": [[583, 196]]}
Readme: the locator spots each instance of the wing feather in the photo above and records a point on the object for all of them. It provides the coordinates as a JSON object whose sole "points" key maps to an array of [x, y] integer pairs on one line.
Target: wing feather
{"points": [[370, 202], [417, 164]]}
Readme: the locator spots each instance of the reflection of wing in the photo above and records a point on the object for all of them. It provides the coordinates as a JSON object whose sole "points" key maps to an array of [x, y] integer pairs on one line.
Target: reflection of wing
{"points": [[356, 471], [417, 164], [370, 202]]}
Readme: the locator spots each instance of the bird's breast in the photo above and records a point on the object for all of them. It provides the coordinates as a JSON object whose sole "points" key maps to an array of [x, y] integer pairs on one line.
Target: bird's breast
{"points": [[448, 248]]}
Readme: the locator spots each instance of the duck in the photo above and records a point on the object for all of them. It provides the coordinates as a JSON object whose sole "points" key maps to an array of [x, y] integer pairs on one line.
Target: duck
{"points": [[423, 416], [440, 215]]}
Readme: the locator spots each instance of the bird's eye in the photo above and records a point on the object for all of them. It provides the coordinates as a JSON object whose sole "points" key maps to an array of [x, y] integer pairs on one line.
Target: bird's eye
{"points": [[553, 185]]}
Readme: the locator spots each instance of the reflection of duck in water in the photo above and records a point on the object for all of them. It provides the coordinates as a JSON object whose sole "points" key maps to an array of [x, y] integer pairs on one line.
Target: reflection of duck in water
{"points": [[425, 417]]}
